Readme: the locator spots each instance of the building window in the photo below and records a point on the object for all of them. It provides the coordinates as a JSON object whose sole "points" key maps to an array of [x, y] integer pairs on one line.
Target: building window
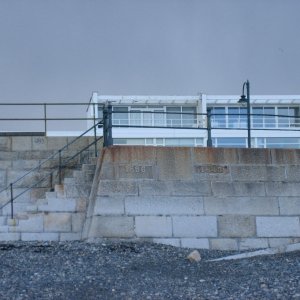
{"points": [[218, 119], [188, 142], [173, 120], [229, 142], [120, 115], [237, 117], [278, 142]]}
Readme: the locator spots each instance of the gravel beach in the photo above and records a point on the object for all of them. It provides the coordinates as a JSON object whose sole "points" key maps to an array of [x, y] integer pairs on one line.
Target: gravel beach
{"points": [[127, 270]]}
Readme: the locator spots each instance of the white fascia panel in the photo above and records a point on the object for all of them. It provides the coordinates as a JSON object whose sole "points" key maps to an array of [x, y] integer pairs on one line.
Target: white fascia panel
{"points": [[254, 99], [157, 133]]}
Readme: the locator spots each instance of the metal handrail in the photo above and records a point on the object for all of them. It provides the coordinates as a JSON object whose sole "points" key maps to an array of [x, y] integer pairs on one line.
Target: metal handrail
{"points": [[60, 166]]}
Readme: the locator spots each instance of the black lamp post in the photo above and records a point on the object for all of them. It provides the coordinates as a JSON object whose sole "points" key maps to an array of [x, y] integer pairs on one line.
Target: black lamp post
{"points": [[246, 100]]}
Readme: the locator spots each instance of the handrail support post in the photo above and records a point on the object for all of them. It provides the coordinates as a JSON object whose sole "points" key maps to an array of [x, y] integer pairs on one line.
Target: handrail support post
{"points": [[11, 202]]}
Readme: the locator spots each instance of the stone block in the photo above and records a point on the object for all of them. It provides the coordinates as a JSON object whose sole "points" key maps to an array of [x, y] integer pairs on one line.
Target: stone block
{"points": [[56, 143], [155, 188], [174, 163], [112, 227], [166, 241], [238, 188], [211, 173], [81, 204], [223, 244], [236, 226], [111, 188], [25, 164], [70, 236], [21, 143], [24, 196], [19, 207], [40, 236], [191, 188], [289, 205], [10, 236], [39, 143], [278, 242], [29, 179], [5, 143], [77, 222], [257, 173], [283, 189], [255, 243], [163, 205], [214, 155], [3, 181], [108, 171], [195, 243], [241, 206], [134, 154], [285, 156], [59, 205], [109, 206], [3, 220], [12, 221], [71, 189], [3, 228], [57, 222], [293, 173], [4, 196], [5, 164], [278, 226], [34, 223], [6, 156], [135, 171], [203, 226], [37, 193], [34, 154], [153, 226], [254, 156]]}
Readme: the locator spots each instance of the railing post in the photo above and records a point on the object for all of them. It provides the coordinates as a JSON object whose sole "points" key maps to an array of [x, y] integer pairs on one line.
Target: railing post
{"points": [[59, 167], [95, 133], [209, 139], [11, 202], [45, 118], [104, 127], [109, 129], [107, 126]]}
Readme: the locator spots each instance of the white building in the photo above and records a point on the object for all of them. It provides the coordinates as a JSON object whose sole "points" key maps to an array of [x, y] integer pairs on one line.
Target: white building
{"points": [[275, 120]]}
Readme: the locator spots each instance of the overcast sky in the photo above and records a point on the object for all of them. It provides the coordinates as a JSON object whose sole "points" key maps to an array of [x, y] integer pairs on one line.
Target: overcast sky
{"points": [[62, 50]]}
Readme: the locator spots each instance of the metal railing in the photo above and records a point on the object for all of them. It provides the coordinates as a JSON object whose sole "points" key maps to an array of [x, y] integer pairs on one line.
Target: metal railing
{"points": [[196, 121], [63, 161], [18, 117]]}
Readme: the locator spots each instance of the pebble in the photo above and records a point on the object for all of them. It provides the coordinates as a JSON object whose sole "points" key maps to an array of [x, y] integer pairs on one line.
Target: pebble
{"points": [[141, 270]]}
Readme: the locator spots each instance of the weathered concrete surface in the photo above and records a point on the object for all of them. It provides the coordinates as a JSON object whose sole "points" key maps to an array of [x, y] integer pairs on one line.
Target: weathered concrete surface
{"points": [[215, 198], [39, 214]]}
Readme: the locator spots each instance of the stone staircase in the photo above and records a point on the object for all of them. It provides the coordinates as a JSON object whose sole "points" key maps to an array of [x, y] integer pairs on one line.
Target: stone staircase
{"points": [[56, 216], [47, 211]]}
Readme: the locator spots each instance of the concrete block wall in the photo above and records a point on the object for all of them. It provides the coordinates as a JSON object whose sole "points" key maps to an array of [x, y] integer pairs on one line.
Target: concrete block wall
{"points": [[38, 213], [210, 198], [19, 154], [59, 216]]}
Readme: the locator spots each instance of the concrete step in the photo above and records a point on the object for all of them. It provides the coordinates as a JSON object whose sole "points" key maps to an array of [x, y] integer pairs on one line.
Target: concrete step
{"points": [[59, 189], [88, 167], [58, 205], [18, 208], [93, 160], [81, 176], [51, 195]]}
